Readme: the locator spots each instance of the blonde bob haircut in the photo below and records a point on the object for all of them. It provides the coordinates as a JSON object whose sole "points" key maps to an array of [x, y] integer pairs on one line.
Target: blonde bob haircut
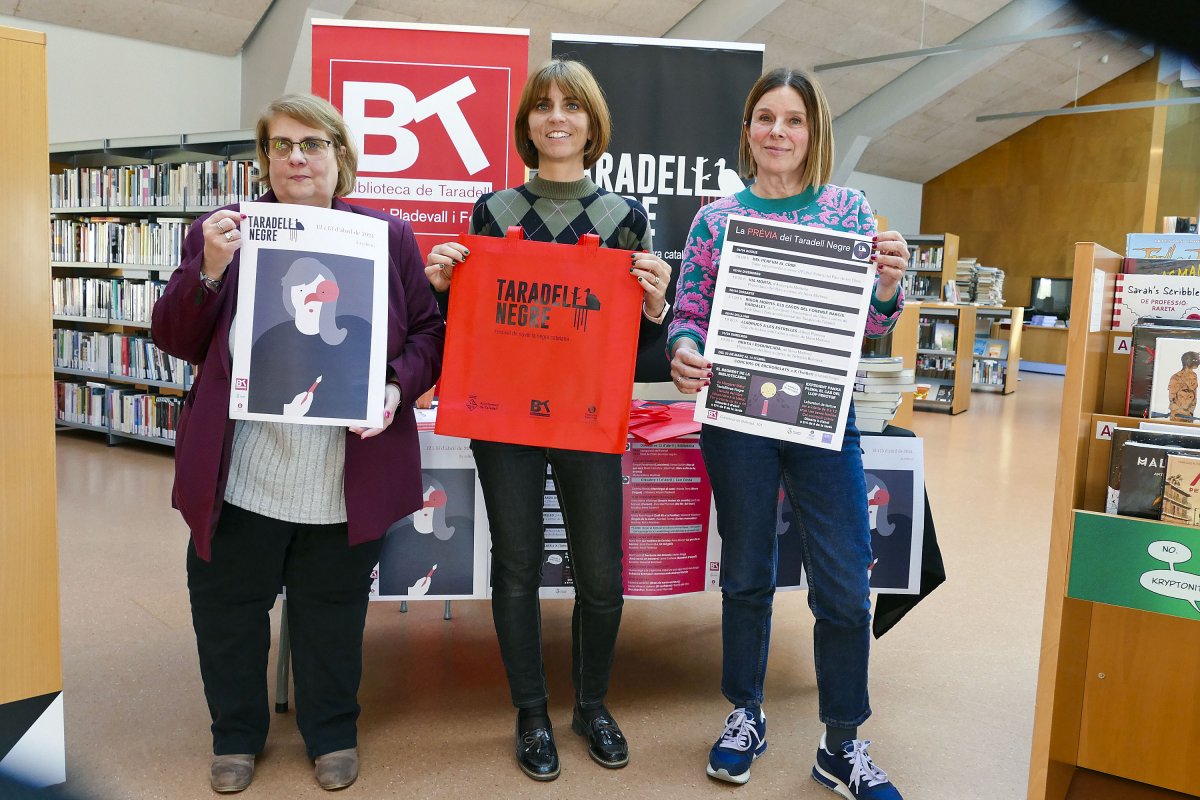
{"points": [[818, 164], [576, 81], [314, 112]]}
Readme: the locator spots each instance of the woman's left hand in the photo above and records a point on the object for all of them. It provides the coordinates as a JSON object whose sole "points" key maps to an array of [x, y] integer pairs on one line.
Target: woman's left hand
{"points": [[652, 274], [890, 254], [391, 400]]}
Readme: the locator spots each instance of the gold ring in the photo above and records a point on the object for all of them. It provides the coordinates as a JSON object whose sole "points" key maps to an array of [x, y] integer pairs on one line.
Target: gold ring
{"points": [[229, 236]]}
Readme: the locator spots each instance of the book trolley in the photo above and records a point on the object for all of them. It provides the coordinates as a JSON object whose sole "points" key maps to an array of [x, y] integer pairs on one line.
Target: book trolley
{"points": [[1117, 686]]}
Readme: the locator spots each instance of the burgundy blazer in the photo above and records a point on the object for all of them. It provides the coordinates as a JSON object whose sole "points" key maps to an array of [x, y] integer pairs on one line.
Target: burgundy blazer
{"points": [[383, 473]]}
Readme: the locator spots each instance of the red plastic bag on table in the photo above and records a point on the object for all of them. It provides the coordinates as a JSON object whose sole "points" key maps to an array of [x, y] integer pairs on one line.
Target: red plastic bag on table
{"points": [[541, 342]]}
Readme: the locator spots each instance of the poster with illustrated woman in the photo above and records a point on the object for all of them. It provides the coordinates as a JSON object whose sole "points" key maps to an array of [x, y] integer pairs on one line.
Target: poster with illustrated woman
{"points": [[306, 348]]}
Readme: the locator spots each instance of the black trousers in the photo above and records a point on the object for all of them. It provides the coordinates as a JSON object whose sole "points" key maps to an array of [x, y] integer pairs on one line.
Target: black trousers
{"points": [[589, 489], [328, 583]]}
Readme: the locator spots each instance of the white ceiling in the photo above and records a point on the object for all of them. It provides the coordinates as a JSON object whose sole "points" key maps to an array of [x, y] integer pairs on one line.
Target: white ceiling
{"points": [[918, 135]]}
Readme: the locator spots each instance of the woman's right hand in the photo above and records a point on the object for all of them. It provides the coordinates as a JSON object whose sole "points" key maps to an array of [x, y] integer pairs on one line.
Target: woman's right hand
{"points": [[222, 238], [690, 371], [443, 258]]}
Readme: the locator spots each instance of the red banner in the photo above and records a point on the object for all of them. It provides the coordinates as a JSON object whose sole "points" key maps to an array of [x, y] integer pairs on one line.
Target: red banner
{"points": [[536, 355], [431, 110]]}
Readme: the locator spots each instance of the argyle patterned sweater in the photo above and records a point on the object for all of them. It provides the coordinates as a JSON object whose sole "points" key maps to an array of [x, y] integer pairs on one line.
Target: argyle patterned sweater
{"points": [[562, 212]]}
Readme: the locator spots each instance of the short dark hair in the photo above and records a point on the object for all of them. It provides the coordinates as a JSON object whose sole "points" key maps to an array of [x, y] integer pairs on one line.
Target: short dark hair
{"points": [[574, 80], [818, 164]]}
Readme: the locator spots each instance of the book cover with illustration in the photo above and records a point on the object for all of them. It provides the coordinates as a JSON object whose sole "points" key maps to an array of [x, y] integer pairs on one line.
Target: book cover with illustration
{"points": [[943, 336], [1143, 345], [1180, 437], [1162, 245], [1161, 266], [1140, 296], [945, 393], [1181, 487], [1174, 383]]}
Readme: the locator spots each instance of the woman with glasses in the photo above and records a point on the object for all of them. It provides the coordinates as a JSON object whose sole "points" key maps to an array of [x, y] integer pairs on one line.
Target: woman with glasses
{"points": [[274, 505]]}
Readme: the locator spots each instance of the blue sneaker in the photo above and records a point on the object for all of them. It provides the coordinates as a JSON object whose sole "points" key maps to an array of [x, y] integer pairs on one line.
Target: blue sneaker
{"points": [[744, 739], [852, 774]]}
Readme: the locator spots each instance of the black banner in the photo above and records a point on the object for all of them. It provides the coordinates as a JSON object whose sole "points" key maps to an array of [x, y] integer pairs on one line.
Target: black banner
{"points": [[677, 112]]}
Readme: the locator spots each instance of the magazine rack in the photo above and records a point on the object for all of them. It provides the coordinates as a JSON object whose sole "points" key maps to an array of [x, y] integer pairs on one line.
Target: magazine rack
{"points": [[1117, 689]]}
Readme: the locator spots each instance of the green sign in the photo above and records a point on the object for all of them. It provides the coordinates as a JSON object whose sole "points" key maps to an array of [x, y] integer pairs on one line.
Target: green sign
{"points": [[1136, 563]]}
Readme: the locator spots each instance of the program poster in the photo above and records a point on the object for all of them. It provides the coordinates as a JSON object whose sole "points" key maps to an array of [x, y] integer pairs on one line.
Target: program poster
{"points": [[668, 502], [676, 108], [310, 335], [431, 110], [440, 552], [789, 310]]}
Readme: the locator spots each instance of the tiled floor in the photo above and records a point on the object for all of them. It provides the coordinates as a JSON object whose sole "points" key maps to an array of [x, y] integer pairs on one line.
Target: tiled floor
{"points": [[952, 686]]}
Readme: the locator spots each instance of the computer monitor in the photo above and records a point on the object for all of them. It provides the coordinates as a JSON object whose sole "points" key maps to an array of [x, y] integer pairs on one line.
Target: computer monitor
{"points": [[1051, 297]]}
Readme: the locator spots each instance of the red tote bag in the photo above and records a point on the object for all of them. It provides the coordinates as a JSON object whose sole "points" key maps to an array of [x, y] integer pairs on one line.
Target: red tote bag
{"points": [[541, 342]]}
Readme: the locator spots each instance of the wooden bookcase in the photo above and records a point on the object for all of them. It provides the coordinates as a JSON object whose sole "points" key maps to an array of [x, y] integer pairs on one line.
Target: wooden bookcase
{"points": [[989, 322], [1117, 688], [942, 366], [932, 263], [119, 210], [30, 664], [902, 342]]}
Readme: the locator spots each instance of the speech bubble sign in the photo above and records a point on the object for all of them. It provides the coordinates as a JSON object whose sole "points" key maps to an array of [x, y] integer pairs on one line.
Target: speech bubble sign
{"points": [[791, 388], [1169, 552], [554, 559], [1169, 583]]}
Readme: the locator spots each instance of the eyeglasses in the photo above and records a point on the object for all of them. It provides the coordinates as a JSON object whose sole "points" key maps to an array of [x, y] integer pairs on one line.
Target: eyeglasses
{"points": [[279, 148]]}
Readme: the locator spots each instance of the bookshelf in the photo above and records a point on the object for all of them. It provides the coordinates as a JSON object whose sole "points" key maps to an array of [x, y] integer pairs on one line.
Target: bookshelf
{"points": [[1116, 688], [945, 342], [932, 263], [997, 371], [119, 210]]}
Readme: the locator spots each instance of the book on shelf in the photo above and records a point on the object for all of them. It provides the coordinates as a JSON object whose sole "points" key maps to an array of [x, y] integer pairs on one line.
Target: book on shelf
{"points": [[945, 393], [868, 386], [899, 376], [1143, 346], [1179, 436], [872, 365], [951, 292], [922, 392], [1181, 505], [1162, 245], [943, 336], [1173, 382], [1138, 296], [985, 347], [1161, 266], [1143, 468]]}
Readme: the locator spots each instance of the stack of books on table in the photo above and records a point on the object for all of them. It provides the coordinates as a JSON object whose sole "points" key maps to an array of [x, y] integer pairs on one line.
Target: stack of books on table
{"points": [[878, 388], [964, 276], [989, 286]]}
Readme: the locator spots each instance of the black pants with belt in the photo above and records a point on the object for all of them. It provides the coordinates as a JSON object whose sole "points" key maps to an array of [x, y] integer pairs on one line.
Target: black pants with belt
{"points": [[328, 583]]}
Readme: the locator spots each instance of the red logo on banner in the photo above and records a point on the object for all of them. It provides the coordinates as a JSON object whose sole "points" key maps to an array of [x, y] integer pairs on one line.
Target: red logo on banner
{"points": [[432, 136]]}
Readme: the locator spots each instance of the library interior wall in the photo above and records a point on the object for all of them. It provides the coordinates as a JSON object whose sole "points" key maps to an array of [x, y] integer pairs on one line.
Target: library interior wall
{"points": [[1179, 193], [899, 201], [1023, 203], [147, 89]]}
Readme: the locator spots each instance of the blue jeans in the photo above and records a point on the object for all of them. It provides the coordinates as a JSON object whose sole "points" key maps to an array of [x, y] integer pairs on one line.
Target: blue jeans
{"points": [[589, 490], [828, 493]]}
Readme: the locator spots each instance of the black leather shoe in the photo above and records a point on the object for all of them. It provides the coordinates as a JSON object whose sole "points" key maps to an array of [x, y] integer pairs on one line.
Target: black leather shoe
{"points": [[606, 743], [536, 754]]}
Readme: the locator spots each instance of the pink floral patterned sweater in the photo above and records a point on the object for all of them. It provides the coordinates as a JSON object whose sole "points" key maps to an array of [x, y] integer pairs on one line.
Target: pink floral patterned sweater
{"points": [[830, 206]]}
